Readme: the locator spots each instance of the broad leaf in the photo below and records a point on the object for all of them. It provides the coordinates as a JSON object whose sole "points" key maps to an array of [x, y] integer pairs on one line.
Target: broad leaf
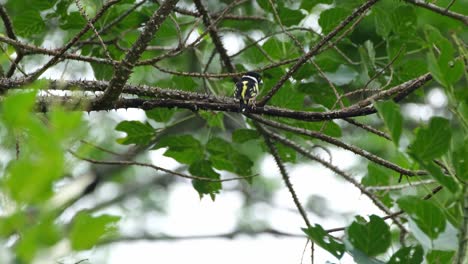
{"points": [[372, 238], [390, 113], [407, 255], [87, 230], [185, 149], [428, 217], [244, 135], [204, 168], [433, 140], [137, 132], [325, 241]]}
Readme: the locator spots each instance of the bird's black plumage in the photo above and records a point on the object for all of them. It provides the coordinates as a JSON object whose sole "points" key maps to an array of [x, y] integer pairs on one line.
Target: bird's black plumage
{"points": [[247, 89]]}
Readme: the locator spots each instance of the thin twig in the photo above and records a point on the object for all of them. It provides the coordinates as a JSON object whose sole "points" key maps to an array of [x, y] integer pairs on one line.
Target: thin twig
{"points": [[141, 164], [440, 10]]}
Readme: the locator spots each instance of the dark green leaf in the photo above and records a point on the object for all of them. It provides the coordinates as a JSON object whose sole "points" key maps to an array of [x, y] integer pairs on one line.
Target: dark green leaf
{"points": [[288, 97], [204, 168], [389, 111], [218, 146], [330, 18], [376, 176], [214, 119], [325, 241], [436, 172], [439, 257], [433, 140], [73, 21], [244, 135], [87, 230], [404, 20], [383, 21], [290, 17], [407, 255], [28, 23], [161, 115], [102, 72], [460, 161], [185, 148], [137, 132], [372, 238], [225, 157], [287, 154], [428, 217]]}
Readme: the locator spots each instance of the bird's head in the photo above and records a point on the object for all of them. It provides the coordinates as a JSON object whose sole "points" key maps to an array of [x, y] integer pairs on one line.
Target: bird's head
{"points": [[255, 75]]}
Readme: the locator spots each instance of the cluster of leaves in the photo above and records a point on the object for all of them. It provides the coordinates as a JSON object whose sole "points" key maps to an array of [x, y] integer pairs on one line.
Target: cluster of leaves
{"points": [[37, 160]]}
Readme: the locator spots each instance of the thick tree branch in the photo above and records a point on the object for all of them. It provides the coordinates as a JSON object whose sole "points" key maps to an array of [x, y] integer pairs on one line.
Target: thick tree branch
{"points": [[215, 36], [124, 68]]}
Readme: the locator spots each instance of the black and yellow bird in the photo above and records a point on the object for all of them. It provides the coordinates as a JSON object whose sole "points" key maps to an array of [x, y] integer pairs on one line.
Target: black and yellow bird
{"points": [[247, 89]]}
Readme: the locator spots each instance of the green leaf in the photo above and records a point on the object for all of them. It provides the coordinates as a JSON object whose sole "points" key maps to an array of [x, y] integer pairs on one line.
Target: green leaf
{"points": [[17, 108], [389, 111], [278, 49], [290, 17], [288, 97], [383, 22], [460, 161], [407, 255], [29, 22], [325, 241], [185, 149], [404, 20], [204, 168], [432, 141], [287, 154], [225, 157], [436, 172], [101, 71], [214, 119], [427, 216], [445, 69], [87, 230], [218, 146], [376, 176], [161, 115], [73, 21], [244, 135], [372, 238], [330, 18], [137, 132], [439, 256]]}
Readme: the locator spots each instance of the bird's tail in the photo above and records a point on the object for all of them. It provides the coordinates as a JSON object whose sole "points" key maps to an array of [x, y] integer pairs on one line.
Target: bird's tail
{"points": [[242, 105]]}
